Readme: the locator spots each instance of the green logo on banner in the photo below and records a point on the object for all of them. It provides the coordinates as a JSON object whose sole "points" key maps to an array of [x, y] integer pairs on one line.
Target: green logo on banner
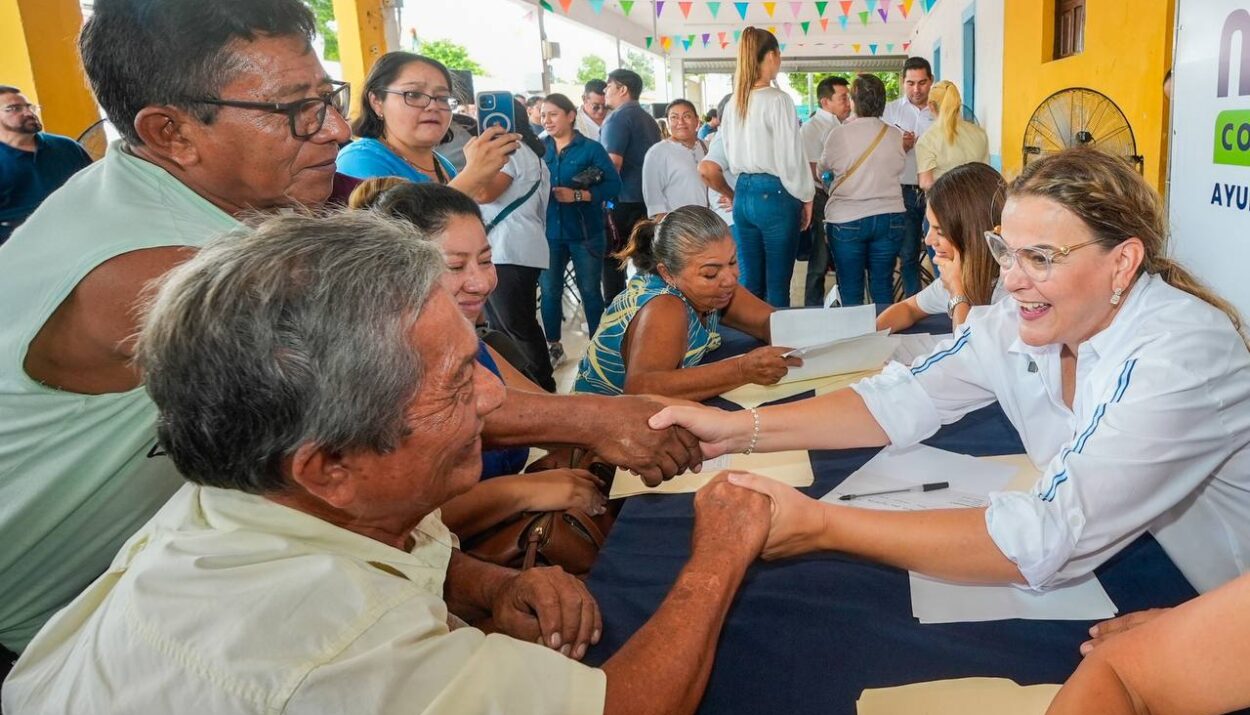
{"points": [[1232, 137]]}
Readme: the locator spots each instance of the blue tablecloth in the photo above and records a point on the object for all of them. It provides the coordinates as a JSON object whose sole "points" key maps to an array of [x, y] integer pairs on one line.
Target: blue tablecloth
{"points": [[807, 635]]}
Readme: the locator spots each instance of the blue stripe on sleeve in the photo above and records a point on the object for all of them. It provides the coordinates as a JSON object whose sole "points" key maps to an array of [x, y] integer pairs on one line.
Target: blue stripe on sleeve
{"points": [[1126, 375], [935, 358]]}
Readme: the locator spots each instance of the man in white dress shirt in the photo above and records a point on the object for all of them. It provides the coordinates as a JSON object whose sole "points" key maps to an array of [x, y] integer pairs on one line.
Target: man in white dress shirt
{"points": [[593, 111], [833, 94], [911, 114], [670, 171]]}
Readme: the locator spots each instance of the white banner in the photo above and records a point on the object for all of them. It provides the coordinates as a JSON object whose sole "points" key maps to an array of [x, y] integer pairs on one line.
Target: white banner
{"points": [[1210, 153]]}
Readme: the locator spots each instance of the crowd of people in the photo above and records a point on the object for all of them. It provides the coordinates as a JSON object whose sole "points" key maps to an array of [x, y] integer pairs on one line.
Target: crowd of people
{"points": [[258, 405]]}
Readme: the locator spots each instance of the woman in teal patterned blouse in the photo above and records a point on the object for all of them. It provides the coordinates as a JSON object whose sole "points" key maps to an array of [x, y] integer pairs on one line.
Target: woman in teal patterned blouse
{"points": [[654, 334]]}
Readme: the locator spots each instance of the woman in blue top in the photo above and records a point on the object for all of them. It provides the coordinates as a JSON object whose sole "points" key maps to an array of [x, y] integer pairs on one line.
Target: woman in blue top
{"points": [[454, 222], [405, 111], [687, 285], [582, 178]]}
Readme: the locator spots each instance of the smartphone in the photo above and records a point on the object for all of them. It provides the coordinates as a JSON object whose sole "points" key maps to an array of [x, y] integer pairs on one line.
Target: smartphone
{"points": [[495, 109]]}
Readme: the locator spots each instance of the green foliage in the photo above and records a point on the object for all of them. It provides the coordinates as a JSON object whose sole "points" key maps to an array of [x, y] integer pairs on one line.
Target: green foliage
{"points": [[455, 56], [798, 80], [592, 67], [641, 63], [323, 10]]}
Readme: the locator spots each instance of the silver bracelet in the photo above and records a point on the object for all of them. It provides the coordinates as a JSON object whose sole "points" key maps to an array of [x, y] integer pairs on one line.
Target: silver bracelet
{"points": [[755, 434]]}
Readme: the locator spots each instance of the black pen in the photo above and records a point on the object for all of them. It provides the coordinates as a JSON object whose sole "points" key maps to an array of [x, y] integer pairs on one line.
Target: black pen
{"points": [[930, 487]]}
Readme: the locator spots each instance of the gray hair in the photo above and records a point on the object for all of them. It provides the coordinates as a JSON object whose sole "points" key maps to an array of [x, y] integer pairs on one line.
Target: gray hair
{"points": [[291, 333], [682, 233], [868, 94]]}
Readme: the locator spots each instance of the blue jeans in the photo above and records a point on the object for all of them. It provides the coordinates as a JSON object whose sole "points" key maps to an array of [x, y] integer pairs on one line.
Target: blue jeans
{"points": [[870, 242], [912, 236], [766, 229], [587, 273]]}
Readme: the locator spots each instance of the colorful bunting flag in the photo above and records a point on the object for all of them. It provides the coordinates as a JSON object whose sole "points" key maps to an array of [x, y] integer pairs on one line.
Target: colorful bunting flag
{"points": [[824, 23], [546, 5], [855, 46], [863, 17], [737, 33], [905, 7], [713, 7], [626, 6], [805, 26], [686, 42], [782, 46], [770, 8], [884, 12], [741, 7], [820, 8], [723, 45], [772, 29], [871, 5], [565, 4], [707, 37], [846, 6], [650, 39], [596, 5], [795, 7], [889, 47], [721, 36], [906, 46], [787, 28], [666, 42], [873, 47], [659, 7], [842, 21], [685, 9]]}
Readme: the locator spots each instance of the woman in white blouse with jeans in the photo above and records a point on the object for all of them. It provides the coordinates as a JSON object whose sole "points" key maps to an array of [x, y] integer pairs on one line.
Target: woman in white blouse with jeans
{"points": [[1128, 381], [773, 196]]}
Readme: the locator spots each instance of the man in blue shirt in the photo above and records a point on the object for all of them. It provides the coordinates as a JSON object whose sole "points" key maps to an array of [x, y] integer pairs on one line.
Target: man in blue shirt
{"points": [[627, 134], [32, 164]]}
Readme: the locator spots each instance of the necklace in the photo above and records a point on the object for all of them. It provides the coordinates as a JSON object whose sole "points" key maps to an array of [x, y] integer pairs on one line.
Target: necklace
{"points": [[410, 162]]}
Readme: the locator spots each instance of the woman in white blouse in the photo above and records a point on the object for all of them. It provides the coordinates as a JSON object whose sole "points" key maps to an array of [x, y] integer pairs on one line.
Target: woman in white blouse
{"points": [[965, 203], [1128, 381], [773, 196], [670, 171]]}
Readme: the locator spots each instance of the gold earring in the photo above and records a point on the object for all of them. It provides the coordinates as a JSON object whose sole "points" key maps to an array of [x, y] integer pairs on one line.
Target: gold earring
{"points": [[1115, 297]]}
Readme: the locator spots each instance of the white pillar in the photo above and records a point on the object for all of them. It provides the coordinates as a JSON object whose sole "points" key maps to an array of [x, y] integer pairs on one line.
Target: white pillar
{"points": [[676, 78]]}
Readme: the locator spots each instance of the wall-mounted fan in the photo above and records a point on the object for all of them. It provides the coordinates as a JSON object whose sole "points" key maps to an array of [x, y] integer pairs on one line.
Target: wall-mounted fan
{"points": [[1079, 117]]}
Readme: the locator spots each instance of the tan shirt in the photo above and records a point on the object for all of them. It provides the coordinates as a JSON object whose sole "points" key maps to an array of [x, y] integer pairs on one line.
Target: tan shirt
{"points": [[934, 153], [873, 189], [227, 602]]}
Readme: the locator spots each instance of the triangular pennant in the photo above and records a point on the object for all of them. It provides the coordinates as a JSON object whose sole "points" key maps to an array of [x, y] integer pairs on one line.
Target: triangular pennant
{"points": [[666, 42], [738, 33], [772, 29], [927, 5], [721, 36], [787, 28], [626, 6], [741, 7], [659, 7], [782, 47], [650, 39], [685, 9], [863, 17], [906, 46], [795, 7], [873, 47], [685, 43], [846, 6], [824, 23], [565, 4], [770, 8], [905, 8], [723, 45], [871, 5], [889, 48], [884, 12], [596, 5], [855, 46], [546, 6], [713, 7], [820, 8], [707, 37], [842, 21], [805, 26]]}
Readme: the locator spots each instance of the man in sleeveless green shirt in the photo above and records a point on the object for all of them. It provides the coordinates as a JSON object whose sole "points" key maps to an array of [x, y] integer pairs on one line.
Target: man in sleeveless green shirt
{"points": [[223, 109]]}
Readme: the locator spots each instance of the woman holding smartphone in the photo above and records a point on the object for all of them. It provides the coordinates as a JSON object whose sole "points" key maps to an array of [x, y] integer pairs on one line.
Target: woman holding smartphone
{"points": [[773, 196]]}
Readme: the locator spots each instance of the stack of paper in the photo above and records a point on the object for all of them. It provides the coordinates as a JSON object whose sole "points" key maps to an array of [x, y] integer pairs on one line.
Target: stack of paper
{"points": [[831, 341], [937, 601], [965, 696], [793, 468]]}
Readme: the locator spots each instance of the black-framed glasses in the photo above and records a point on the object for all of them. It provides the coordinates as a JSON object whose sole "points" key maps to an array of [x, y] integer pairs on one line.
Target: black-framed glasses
{"points": [[306, 116], [1035, 261], [421, 100], [20, 108]]}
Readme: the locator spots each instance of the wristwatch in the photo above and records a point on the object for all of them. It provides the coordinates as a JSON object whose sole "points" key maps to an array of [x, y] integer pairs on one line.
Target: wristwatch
{"points": [[577, 194], [954, 301]]}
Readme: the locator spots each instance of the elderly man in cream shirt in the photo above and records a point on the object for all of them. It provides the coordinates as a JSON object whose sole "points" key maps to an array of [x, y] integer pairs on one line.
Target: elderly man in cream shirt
{"points": [[321, 394]]}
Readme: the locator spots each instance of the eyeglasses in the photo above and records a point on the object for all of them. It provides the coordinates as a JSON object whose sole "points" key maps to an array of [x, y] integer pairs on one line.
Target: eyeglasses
{"points": [[20, 108], [1035, 261], [306, 116], [595, 106], [421, 100]]}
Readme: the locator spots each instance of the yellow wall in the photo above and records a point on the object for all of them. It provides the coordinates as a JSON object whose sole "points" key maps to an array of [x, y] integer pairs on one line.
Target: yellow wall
{"points": [[1128, 49], [39, 54], [362, 40]]}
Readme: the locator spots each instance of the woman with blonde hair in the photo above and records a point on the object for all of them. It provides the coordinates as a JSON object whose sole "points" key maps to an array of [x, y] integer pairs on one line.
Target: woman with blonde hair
{"points": [[1127, 380], [773, 196], [952, 140]]}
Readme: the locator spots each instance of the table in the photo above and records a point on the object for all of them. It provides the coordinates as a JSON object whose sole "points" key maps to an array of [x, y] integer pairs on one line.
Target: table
{"points": [[807, 635]]}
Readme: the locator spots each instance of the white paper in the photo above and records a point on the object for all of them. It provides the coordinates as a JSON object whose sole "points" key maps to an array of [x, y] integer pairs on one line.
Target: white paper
{"points": [[803, 327], [936, 601], [866, 352], [833, 297], [790, 467], [916, 345], [971, 480]]}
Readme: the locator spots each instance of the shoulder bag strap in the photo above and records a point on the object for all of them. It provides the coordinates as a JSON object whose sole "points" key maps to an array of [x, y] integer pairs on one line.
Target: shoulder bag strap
{"points": [[858, 162], [516, 203]]}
